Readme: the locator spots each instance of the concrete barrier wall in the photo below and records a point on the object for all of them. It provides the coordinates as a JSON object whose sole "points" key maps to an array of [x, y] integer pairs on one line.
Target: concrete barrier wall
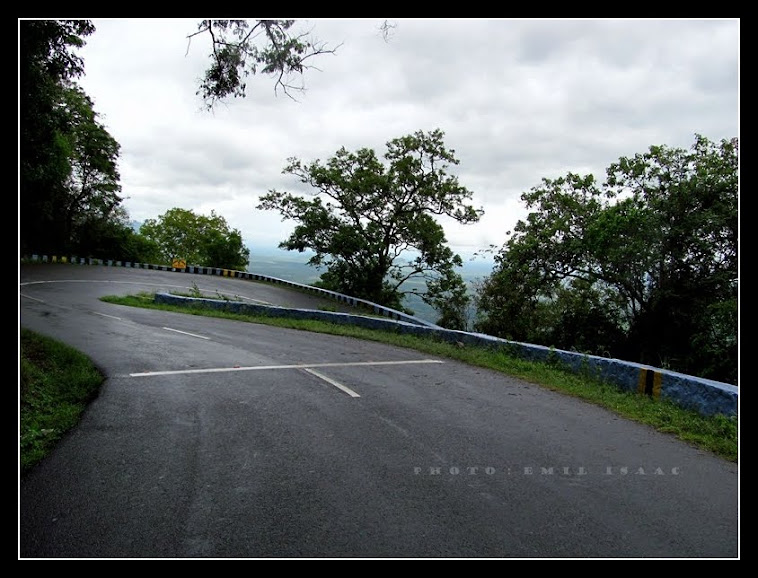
{"points": [[705, 396]]}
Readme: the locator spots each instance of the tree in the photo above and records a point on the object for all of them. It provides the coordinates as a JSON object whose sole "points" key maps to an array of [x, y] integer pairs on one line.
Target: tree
{"points": [[69, 177], [690, 257], [92, 187], [205, 241], [114, 238], [47, 65], [240, 48], [641, 267], [377, 229], [69, 182]]}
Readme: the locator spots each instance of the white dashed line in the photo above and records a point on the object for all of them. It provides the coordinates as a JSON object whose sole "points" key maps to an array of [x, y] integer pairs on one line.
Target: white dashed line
{"points": [[108, 316], [336, 384], [185, 333], [32, 298]]}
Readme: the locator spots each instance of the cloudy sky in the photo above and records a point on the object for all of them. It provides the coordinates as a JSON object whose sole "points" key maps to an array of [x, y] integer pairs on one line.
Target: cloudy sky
{"points": [[518, 100]]}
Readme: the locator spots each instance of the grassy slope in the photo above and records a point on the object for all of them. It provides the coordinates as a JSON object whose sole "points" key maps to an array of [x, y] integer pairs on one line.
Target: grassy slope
{"points": [[56, 383]]}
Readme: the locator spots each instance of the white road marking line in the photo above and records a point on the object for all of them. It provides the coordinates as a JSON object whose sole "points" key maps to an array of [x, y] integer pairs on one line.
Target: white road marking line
{"points": [[32, 298], [336, 384], [64, 307], [185, 333], [105, 315], [298, 366]]}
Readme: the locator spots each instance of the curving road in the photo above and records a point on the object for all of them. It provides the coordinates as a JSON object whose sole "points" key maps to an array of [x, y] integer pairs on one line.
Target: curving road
{"points": [[221, 439]]}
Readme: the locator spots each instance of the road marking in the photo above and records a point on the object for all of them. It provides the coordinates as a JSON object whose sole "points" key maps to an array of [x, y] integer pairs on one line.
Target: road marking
{"points": [[297, 366], [32, 298], [64, 307], [105, 315], [185, 333], [336, 384]]}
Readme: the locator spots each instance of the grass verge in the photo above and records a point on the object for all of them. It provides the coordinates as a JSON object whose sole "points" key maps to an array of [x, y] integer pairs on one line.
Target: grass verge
{"points": [[56, 384]]}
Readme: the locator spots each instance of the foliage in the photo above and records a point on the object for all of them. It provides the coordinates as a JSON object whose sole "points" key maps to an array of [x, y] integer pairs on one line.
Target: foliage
{"points": [[47, 65], [69, 198], [69, 181], [92, 186], [205, 241], [377, 229], [114, 238], [641, 267], [241, 48]]}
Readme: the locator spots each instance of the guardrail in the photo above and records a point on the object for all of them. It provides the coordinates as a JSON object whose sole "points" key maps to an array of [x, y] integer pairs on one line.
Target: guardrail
{"points": [[705, 396], [333, 295]]}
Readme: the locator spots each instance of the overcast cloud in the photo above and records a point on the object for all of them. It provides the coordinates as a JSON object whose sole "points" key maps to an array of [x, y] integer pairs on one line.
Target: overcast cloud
{"points": [[518, 100]]}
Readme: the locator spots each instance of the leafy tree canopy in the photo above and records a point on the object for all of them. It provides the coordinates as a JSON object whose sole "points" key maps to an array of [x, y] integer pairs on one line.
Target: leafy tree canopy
{"points": [[241, 48], [92, 187], [202, 240], [69, 179], [48, 66], [372, 224], [641, 267]]}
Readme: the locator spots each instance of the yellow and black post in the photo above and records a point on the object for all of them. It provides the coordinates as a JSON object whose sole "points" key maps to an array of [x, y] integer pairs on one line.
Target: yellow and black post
{"points": [[650, 383]]}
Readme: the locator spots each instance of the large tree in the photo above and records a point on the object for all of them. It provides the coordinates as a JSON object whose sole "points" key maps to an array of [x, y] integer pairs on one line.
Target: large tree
{"points": [[114, 238], [203, 240], [241, 48], [377, 229], [69, 182], [92, 188], [641, 267], [48, 63]]}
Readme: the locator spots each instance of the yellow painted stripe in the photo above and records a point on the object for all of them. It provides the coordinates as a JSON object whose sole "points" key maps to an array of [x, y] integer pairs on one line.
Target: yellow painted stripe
{"points": [[642, 381], [649, 383], [657, 381]]}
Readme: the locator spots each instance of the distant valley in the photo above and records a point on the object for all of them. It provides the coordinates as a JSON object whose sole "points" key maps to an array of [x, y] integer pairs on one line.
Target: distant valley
{"points": [[292, 266]]}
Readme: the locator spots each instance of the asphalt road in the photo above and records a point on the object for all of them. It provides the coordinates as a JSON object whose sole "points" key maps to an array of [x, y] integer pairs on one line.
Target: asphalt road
{"points": [[222, 439]]}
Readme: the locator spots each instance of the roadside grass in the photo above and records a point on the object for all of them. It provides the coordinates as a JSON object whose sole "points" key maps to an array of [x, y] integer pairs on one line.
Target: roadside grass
{"points": [[57, 382], [196, 293]]}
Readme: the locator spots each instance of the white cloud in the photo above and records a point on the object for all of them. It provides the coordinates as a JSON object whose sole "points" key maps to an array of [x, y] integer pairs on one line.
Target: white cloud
{"points": [[518, 100]]}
